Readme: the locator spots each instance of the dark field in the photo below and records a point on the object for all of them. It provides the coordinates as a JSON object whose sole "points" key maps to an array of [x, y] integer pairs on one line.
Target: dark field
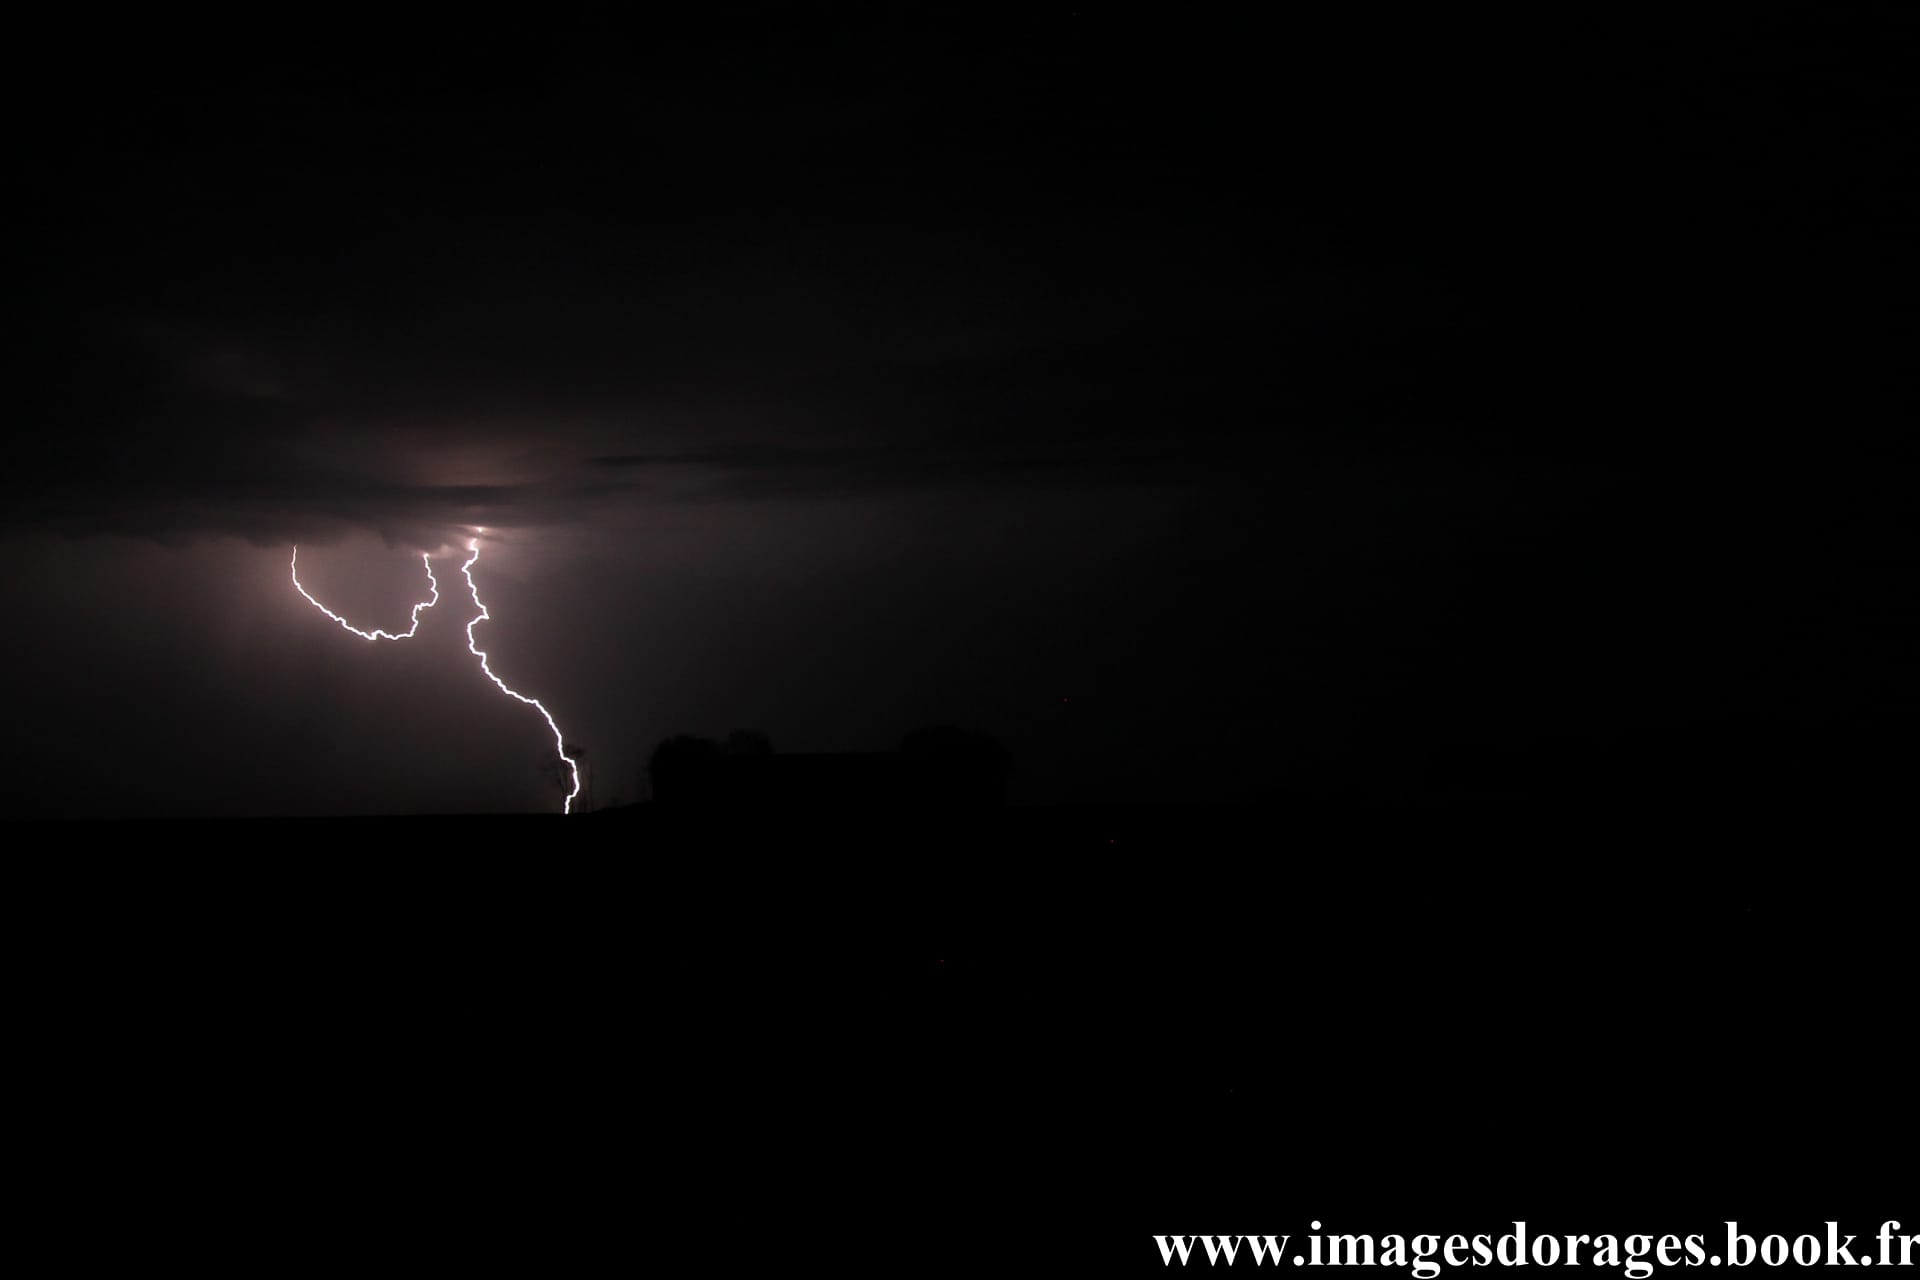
{"points": [[538, 1040]]}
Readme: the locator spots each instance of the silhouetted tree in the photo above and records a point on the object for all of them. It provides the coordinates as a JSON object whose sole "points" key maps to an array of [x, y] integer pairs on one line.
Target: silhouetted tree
{"points": [[682, 766], [936, 768]]}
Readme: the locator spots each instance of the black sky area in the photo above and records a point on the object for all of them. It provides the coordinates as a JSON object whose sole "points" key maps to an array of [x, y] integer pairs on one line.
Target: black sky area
{"points": [[1210, 404]]}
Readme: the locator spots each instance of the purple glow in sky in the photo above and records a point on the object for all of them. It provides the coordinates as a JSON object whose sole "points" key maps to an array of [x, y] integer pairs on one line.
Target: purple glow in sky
{"points": [[466, 570]]}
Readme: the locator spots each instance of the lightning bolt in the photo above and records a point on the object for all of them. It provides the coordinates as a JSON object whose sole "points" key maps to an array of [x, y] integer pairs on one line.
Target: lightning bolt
{"points": [[559, 743], [466, 570], [375, 634]]}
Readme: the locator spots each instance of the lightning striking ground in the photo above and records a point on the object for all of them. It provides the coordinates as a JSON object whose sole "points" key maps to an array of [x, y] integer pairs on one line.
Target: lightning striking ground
{"points": [[375, 634], [466, 570], [559, 743]]}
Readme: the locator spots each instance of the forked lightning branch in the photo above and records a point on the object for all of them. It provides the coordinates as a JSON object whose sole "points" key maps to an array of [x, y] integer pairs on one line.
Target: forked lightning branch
{"points": [[433, 585]]}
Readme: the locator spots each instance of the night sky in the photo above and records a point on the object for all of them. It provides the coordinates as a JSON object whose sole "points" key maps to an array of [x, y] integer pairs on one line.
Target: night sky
{"points": [[1211, 405]]}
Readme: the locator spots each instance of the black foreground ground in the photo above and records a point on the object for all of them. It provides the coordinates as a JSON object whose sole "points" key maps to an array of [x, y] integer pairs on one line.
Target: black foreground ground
{"points": [[895, 1044]]}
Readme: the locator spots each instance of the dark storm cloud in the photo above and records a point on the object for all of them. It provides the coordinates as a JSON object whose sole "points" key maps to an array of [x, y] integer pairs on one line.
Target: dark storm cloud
{"points": [[1520, 372], [115, 440], [780, 471], [264, 299], [180, 434]]}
